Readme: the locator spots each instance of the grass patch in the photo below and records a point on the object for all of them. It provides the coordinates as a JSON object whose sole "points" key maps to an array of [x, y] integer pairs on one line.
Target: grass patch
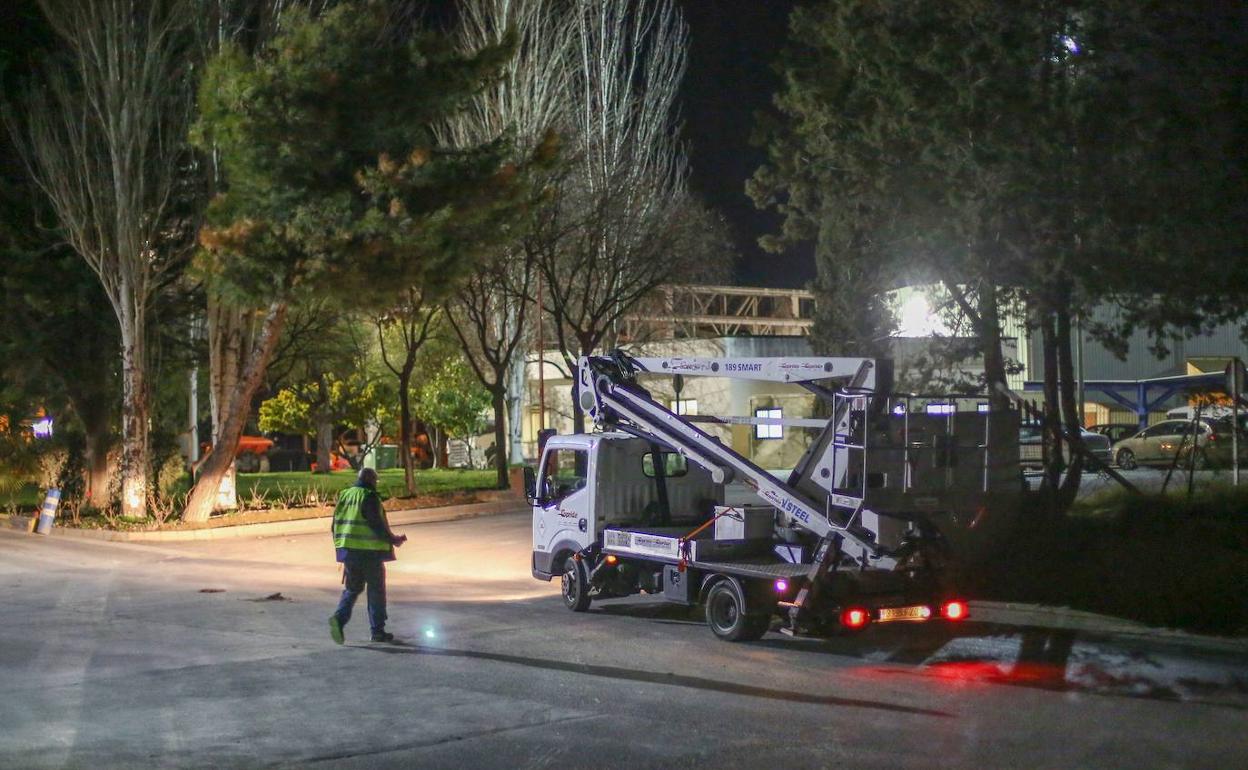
{"points": [[29, 497], [275, 488], [1163, 560]]}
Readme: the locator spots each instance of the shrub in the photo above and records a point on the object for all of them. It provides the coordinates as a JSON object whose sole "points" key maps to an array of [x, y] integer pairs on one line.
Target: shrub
{"points": [[172, 479], [19, 464]]}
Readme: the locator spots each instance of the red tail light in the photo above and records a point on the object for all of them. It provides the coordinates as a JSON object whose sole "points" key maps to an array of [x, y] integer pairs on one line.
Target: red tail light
{"points": [[855, 617], [954, 610]]}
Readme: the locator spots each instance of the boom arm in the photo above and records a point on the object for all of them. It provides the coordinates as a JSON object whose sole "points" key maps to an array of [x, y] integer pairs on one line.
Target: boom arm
{"points": [[610, 395]]}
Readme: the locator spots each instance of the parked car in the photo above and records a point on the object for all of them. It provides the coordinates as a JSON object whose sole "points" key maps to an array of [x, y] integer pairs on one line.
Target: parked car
{"points": [[1116, 431], [1031, 452], [1159, 444]]}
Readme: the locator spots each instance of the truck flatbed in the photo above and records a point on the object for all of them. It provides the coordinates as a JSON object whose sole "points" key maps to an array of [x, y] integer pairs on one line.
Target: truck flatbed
{"points": [[663, 544], [755, 568]]}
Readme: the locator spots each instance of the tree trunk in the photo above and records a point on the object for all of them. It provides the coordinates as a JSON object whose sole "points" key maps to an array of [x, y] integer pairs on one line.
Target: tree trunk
{"points": [[203, 496], [578, 414], [1071, 419], [93, 407], [405, 430], [515, 412], [97, 443], [324, 445], [134, 415], [990, 345], [500, 433], [229, 344], [1052, 432]]}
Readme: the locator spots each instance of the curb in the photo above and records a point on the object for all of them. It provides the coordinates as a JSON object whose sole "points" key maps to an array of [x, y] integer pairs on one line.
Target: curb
{"points": [[396, 518], [1054, 618], [18, 523]]}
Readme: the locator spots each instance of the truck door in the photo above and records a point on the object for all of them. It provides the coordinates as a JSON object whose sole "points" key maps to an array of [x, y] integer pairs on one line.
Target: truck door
{"points": [[562, 516]]}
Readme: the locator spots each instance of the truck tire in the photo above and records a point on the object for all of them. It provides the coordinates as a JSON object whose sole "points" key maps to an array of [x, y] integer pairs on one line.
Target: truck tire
{"points": [[575, 585], [728, 617]]}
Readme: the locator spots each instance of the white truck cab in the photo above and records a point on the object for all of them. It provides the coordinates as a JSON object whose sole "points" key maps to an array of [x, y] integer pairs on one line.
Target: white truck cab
{"points": [[586, 483]]}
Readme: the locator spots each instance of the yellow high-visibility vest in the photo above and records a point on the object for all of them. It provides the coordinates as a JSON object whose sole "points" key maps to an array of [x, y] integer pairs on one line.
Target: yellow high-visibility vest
{"points": [[350, 528]]}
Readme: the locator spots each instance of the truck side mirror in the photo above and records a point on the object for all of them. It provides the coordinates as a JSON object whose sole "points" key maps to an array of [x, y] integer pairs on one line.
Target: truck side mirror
{"points": [[530, 484]]}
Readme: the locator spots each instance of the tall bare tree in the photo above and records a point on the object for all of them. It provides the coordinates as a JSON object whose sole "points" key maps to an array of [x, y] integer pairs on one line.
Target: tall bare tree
{"points": [[103, 134], [607, 240], [528, 102]]}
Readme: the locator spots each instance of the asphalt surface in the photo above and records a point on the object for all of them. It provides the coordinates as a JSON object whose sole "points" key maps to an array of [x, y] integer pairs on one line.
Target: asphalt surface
{"points": [[217, 655]]}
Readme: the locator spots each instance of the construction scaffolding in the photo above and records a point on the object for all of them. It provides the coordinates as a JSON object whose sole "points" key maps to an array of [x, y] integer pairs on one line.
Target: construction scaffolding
{"points": [[692, 312]]}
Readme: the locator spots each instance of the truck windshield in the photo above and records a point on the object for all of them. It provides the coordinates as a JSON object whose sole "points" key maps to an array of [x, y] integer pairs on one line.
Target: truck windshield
{"points": [[566, 471]]}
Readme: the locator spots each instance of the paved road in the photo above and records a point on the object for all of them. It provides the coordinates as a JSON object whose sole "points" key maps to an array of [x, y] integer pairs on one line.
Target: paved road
{"points": [[123, 655]]}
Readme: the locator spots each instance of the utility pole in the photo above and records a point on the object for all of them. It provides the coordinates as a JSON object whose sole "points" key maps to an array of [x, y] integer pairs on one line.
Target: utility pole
{"points": [[1083, 409], [1236, 370], [192, 406], [541, 363]]}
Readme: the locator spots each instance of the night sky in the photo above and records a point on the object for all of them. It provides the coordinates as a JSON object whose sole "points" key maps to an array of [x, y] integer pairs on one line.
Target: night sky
{"points": [[733, 45]]}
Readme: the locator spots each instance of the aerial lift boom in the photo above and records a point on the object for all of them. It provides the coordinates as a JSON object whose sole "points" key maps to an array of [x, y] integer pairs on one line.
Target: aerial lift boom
{"points": [[610, 395]]}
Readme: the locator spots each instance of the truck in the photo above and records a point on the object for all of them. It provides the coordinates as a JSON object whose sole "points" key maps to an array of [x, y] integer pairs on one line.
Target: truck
{"points": [[864, 530]]}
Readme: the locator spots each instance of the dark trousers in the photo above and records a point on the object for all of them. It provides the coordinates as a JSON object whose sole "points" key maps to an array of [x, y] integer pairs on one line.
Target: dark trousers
{"points": [[357, 575]]}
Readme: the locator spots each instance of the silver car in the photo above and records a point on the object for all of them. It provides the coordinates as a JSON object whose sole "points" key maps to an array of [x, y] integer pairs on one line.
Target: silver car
{"points": [[1172, 442], [1031, 453]]}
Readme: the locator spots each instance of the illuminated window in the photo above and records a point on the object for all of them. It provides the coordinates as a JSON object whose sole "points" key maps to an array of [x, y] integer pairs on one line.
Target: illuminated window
{"points": [[684, 406], [941, 409], [768, 430]]}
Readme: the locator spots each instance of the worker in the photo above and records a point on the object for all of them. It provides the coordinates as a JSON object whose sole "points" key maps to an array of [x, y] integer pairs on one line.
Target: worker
{"points": [[364, 543]]}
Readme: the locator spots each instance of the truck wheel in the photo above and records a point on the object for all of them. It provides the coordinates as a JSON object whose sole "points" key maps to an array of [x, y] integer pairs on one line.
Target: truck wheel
{"points": [[575, 584], [727, 616], [1126, 459]]}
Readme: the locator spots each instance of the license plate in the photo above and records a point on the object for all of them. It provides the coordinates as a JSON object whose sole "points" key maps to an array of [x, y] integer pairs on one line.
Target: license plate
{"points": [[917, 612]]}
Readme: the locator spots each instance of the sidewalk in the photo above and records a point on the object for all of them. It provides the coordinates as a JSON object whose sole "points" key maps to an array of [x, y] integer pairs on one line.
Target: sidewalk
{"points": [[312, 523]]}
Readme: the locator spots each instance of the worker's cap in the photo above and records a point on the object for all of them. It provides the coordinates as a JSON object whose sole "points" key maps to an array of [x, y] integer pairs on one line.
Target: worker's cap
{"points": [[368, 476]]}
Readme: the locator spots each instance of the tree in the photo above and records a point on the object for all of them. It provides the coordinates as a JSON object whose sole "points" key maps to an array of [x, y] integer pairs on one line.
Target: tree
{"points": [[60, 351], [488, 317], [321, 350], [453, 402], [335, 186], [529, 101], [102, 132], [412, 322], [231, 322], [618, 218], [981, 144], [355, 402]]}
